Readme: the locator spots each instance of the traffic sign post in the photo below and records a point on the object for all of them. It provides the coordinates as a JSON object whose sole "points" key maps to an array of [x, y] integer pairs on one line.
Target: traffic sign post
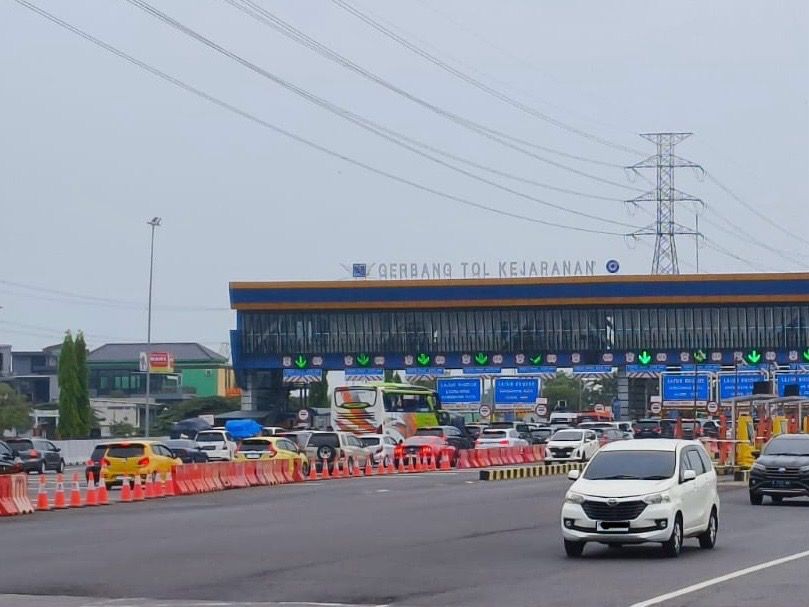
{"points": [[655, 408]]}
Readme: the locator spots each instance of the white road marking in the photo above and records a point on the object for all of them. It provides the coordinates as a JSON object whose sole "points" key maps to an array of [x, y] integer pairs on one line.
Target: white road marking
{"points": [[721, 579], [383, 490]]}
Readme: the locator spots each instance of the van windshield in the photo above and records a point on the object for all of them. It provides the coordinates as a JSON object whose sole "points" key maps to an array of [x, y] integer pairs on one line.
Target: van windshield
{"points": [[631, 465]]}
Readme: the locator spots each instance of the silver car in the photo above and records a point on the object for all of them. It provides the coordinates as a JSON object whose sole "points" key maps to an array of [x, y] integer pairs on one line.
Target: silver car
{"points": [[330, 447]]}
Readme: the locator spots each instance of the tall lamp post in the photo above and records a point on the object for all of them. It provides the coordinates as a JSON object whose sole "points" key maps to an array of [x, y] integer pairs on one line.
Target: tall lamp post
{"points": [[154, 222]]}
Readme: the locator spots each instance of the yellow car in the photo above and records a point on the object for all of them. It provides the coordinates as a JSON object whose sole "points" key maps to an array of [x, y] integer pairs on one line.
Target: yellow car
{"points": [[266, 448], [133, 458]]}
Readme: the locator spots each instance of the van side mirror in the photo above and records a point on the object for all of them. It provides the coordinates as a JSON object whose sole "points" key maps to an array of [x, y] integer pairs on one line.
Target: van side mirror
{"points": [[573, 475], [689, 475]]}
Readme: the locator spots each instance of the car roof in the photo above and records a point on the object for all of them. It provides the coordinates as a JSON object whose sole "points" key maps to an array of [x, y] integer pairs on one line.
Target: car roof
{"points": [[371, 435], [648, 444], [791, 436]]}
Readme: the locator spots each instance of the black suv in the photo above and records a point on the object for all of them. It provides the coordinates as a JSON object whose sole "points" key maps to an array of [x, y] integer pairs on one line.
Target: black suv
{"points": [[782, 469]]}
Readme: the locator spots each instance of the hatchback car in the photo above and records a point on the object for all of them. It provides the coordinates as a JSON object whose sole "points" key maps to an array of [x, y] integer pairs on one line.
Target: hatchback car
{"points": [[218, 444], [506, 437], [134, 458], [263, 448], [382, 447], [648, 428], [638, 491], [37, 454], [782, 469]]}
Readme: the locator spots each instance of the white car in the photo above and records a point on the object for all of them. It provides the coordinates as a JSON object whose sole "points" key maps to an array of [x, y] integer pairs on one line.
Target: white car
{"points": [[381, 446], [217, 444], [502, 437], [646, 490], [571, 445]]}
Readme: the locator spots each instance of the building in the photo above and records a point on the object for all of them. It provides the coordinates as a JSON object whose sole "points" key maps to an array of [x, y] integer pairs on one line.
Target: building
{"points": [[640, 326], [194, 371], [32, 374]]}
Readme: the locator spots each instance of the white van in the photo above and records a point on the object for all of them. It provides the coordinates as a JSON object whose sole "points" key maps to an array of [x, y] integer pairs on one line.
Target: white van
{"points": [[562, 420]]}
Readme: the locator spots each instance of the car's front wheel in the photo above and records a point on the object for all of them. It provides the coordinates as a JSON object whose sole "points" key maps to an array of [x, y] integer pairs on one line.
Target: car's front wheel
{"points": [[42, 467], [756, 499], [61, 467], [672, 546], [573, 549], [707, 540]]}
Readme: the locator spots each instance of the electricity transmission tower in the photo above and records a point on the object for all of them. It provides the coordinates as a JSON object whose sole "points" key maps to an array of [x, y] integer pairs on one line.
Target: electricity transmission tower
{"points": [[665, 228]]}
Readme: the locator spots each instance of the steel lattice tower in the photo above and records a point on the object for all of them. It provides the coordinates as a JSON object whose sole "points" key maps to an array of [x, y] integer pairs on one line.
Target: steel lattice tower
{"points": [[665, 228]]}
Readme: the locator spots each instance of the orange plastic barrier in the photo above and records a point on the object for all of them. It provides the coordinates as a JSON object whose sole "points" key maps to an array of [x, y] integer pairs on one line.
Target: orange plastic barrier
{"points": [[14, 495]]}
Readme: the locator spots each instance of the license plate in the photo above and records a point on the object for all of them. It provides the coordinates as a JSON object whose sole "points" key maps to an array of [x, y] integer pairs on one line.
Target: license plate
{"points": [[782, 484], [253, 455], [208, 448]]}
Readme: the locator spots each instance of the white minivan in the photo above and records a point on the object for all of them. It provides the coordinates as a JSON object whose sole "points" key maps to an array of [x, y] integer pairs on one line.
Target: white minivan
{"points": [[647, 490], [217, 443]]}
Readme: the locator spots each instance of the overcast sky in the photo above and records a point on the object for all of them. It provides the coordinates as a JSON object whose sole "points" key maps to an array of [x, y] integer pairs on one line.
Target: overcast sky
{"points": [[92, 147]]}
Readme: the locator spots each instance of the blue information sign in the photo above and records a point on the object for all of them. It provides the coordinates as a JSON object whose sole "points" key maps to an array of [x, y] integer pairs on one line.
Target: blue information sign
{"points": [[785, 379], [536, 370], [738, 384], [516, 390], [459, 391], [681, 387]]}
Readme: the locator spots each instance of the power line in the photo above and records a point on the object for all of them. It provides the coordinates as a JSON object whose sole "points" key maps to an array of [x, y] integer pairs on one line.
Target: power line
{"points": [[477, 83], [754, 210], [347, 114], [360, 121], [269, 19], [281, 131]]}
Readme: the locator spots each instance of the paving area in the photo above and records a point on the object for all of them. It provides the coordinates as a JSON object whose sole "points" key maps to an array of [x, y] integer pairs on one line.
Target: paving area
{"points": [[428, 539]]}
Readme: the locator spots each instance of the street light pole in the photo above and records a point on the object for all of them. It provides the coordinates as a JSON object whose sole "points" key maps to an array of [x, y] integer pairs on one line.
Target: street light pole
{"points": [[154, 222]]}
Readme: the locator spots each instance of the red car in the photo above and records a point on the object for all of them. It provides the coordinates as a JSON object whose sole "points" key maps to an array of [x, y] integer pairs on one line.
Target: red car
{"points": [[425, 448]]}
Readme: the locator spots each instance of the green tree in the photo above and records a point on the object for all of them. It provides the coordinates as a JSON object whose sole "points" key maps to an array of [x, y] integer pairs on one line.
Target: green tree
{"points": [[605, 390], [570, 389], [15, 414], [122, 429], [319, 393], [83, 408], [69, 421]]}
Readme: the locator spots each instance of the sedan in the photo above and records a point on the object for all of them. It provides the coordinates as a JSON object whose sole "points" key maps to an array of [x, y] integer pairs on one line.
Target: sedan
{"points": [[571, 445], [187, 450], [37, 454], [382, 448]]}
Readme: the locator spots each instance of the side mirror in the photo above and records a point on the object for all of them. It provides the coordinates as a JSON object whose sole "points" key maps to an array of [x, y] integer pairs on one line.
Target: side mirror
{"points": [[57, 449], [756, 453], [689, 475], [573, 475]]}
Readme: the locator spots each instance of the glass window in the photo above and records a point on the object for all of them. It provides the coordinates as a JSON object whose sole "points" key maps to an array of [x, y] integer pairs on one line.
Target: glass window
{"points": [[695, 461], [623, 465]]}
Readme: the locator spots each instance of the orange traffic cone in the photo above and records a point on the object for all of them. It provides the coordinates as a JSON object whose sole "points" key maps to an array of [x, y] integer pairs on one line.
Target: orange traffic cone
{"points": [[338, 469], [59, 497], [75, 492], [325, 470], [159, 486], [137, 494], [433, 467], [42, 495], [148, 492], [103, 494], [126, 490], [369, 469], [91, 497], [357, 470], [313, 472]]}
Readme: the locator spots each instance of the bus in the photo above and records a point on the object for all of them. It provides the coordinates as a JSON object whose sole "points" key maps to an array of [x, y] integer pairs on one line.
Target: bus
{"points": [[397, 410]]}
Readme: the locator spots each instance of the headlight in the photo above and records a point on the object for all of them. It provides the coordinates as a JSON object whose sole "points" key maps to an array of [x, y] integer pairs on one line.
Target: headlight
{"points": [[574, 498], [657, 498], [760, 468]]}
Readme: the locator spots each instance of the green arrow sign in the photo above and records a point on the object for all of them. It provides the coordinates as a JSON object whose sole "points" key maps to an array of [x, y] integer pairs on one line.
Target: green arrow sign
{"points": [[753, 357], [301, 361], [645, 358], [700, 356], [423, 359], [806, 355], [363, 360], [481, 358], [535, 360]]}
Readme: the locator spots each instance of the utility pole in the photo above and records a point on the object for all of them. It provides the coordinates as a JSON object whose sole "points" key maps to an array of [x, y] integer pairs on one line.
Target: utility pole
{"points": [[666, 197], [154, 222]]}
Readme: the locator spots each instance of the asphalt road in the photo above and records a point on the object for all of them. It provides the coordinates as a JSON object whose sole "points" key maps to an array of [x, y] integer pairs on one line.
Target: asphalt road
{"points": [[434, 539]]}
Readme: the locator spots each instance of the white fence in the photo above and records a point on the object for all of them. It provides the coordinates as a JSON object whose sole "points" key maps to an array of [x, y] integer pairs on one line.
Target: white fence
{"points": [[78, 451]]}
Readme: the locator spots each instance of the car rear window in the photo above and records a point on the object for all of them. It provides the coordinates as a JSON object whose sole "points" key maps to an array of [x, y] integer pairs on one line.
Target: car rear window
{"points": [[210, 437], [254, 445], [125, 451], [324, 440], [98, 453], [20, 444], [494, 434], [648, 424], [429, 432]]}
